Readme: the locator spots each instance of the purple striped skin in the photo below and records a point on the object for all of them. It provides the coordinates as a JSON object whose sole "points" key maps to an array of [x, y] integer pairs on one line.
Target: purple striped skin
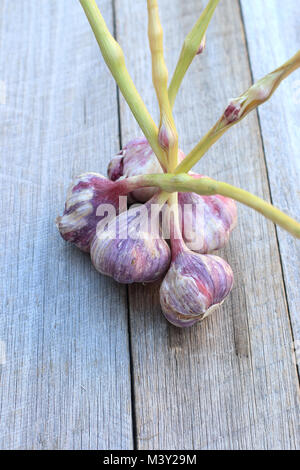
{"points": [[126, 259], [194, 286], [136, 158], [217, 216], [86, 193]]}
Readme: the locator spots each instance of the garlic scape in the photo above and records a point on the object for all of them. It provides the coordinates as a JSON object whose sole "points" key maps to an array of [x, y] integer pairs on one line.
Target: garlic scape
{"points": [[114, 57], [208, 186], [193, 44], [238, 108]]}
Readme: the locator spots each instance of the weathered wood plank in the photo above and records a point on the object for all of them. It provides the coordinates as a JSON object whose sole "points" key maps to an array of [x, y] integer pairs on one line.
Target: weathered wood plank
{"points": [[66, 380], [273, 36], [229, 383]]}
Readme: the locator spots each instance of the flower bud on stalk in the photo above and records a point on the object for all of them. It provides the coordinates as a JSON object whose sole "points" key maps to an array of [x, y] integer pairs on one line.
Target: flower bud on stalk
{"points": [[202, 45], [257, 94], [238, 108], [130, 249], [195, 284]]}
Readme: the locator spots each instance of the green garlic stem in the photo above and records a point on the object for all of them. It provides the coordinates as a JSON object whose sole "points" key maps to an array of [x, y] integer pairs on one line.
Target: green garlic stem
{"points": [[238, 108], [169, 183], [168, 136], [190, 48], [176, 233], [114, 58]]}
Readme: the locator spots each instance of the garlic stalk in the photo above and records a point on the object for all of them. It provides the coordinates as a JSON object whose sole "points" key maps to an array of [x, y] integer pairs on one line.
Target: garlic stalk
{"points": [[202, 45], [238, 108], [192, 45], [114, 58], [168, 136], [207, 186]]}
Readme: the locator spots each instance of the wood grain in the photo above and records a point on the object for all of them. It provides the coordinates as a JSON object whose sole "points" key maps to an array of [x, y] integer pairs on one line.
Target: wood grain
{"points": [[66, 380], [280, 123], [229, 383]]}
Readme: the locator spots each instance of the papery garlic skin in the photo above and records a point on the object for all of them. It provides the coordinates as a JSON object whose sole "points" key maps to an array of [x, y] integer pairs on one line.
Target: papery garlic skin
{"points": [[206, 221], [79, 220], [116, 253], [137, 158], [194, 286]]}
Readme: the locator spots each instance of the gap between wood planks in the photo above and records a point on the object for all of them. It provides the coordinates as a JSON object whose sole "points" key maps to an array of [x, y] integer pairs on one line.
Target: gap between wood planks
{"points": [[131, 364]]}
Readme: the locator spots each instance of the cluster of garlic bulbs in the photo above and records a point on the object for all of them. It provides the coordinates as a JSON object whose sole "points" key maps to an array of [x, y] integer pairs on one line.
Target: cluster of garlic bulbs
{"points": [[124, 245]]}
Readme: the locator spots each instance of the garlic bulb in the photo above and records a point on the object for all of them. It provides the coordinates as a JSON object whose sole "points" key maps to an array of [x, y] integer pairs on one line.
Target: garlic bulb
{"points": [[195, 284], [136, 158], [194, 287], [206, 221], [129, 250], [85, 195]]}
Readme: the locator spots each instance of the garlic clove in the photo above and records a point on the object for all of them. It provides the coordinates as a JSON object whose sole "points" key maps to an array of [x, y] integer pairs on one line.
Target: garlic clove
{"points": [[79, 221], [129, 251], [206, 221], [137, 158], [194, 287]]}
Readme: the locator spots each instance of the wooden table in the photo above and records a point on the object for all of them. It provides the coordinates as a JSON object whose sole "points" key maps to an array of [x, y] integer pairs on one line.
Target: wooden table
{"points": [[87, 363]]}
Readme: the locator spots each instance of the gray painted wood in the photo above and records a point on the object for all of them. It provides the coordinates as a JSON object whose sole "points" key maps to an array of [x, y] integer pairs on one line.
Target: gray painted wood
{"points": [[229, 383], [273, 36], [66, 380]]}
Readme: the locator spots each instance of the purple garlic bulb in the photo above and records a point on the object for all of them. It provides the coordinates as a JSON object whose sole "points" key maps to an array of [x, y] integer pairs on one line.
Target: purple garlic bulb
{"points": [[136, 158], [129, 250], [194, 286], [86, 194], [206, 221]]}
